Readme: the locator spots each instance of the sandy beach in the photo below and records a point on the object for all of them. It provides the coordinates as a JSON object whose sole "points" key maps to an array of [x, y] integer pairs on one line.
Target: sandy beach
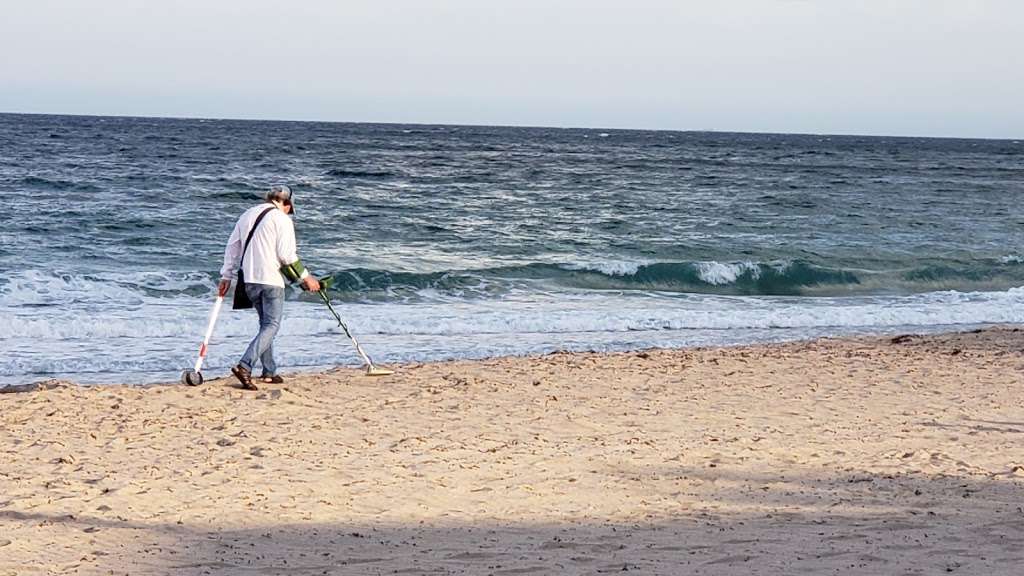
{"points": [[847, 456]]}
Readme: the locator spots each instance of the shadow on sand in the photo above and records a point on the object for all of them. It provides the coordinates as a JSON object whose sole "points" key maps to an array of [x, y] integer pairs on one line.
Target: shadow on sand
{"points": [[775, 523]]}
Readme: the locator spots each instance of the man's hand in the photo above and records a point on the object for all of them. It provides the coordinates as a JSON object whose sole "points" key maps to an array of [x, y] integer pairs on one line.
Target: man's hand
{"points": [[311, 283], [223, 287]]}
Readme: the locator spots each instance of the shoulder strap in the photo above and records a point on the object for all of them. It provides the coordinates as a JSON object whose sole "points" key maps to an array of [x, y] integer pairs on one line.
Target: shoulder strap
{"points": [[251, 232]]}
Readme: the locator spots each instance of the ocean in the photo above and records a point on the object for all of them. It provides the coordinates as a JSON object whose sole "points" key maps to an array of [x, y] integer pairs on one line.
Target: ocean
{"points": [[451, 242]]}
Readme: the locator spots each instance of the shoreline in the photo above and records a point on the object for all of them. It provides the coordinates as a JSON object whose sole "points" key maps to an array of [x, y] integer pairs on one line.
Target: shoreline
{"points": [[45, 383], [860, 455]]}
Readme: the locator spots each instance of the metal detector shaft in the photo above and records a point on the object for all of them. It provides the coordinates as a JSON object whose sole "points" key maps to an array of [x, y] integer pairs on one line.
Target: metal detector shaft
{"points": [[359, 349]]}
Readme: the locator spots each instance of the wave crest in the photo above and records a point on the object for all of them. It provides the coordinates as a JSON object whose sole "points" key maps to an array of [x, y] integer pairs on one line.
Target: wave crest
{"points": [[738, 278]]}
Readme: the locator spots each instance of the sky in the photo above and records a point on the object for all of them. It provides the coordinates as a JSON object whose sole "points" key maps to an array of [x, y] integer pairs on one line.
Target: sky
{"points": [[886, 67]]}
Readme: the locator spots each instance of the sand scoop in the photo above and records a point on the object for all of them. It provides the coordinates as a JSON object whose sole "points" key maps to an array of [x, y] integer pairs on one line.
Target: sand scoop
{"points": [[371, 369], [194, 376]]}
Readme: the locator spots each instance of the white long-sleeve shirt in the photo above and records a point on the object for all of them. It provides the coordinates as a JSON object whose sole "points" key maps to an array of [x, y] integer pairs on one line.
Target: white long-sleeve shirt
{"points": [[272, 246]]}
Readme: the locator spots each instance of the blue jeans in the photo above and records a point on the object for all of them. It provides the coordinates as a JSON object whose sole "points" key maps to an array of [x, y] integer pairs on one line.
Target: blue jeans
{"points": [[269, 304]]}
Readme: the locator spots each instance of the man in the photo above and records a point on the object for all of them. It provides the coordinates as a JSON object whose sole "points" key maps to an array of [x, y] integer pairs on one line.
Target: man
{"points": [[271, 254]]}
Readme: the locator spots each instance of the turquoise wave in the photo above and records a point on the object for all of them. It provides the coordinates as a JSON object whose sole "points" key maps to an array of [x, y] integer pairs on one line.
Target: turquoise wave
{"points": [[795, 278]]}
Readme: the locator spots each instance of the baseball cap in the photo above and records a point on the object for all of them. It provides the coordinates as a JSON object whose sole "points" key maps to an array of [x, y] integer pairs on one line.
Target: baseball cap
{"points": [[283, 194]]}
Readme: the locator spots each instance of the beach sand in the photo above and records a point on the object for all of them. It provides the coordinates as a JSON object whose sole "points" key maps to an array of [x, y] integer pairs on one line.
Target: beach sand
{"points": [[846, 456]]}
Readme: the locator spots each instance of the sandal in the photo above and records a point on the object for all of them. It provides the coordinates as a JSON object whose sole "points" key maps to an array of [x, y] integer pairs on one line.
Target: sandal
{"points": [[244, 376], [271, 378]]}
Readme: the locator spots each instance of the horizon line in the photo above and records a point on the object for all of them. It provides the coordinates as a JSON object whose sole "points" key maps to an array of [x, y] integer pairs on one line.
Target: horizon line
{"points": [[520, 126]]}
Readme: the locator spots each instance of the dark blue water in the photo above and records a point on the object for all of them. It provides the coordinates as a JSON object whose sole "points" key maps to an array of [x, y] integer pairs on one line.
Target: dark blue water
{"points": [[453, 241]]}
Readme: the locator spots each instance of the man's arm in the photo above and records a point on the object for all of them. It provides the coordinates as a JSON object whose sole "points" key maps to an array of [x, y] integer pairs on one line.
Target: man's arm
{"points": [[232, 253], [287, 254]]}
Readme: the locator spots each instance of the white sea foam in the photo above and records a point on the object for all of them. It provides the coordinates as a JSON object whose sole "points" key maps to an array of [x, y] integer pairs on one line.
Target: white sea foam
{"points": [[607, 313], [611, 267], [163, 333], [105, 324], [39, 288], [719, 273], [34, 288]]}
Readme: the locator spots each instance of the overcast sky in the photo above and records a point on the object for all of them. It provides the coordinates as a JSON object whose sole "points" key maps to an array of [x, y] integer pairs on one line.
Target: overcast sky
{"points": [[906, 67]]}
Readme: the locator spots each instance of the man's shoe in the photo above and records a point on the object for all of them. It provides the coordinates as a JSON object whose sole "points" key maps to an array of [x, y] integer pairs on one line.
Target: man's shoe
{"points": [[271, 378], [244, 376]]}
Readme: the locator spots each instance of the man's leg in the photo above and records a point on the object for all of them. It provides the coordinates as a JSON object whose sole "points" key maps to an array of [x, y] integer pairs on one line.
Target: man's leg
{"points": [[255, 294], [273, 310], [267, 360]]}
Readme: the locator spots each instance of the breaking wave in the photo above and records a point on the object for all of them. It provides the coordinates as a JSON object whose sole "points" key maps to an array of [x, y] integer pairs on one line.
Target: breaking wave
{"points": [[743, 278]]}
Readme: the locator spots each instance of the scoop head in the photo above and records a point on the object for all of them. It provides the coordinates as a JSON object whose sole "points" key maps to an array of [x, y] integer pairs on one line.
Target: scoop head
{"points": [[191, 377]]}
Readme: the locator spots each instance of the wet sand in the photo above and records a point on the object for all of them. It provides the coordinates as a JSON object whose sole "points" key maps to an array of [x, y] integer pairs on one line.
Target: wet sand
{"points": [[854, 456]]}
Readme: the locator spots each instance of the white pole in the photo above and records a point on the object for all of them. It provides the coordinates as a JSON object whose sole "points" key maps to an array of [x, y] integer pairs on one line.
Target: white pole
{"points": [[209, 332]]}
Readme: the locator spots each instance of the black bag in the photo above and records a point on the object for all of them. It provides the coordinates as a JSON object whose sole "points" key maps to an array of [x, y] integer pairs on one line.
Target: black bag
{"points": [[241, 298]]}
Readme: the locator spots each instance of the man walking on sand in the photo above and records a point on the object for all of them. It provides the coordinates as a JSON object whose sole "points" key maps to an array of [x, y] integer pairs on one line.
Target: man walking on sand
{"points": [[264, 241]]}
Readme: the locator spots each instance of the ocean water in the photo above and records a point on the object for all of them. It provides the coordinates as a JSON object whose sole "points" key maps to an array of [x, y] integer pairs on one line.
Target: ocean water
{"points": [[466, 242]]}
